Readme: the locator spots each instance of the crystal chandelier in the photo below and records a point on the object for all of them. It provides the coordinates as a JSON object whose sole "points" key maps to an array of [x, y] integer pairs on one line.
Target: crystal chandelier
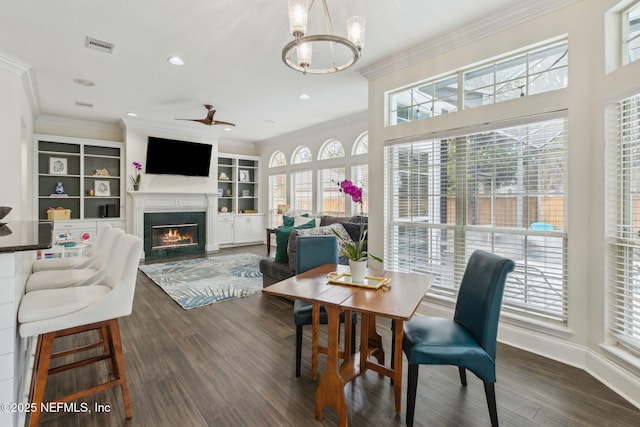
{"points": [[341, 52]]}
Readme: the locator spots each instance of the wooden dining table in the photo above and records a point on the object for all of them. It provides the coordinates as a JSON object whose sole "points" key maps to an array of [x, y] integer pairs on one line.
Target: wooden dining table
{"points": [[398, 300]]}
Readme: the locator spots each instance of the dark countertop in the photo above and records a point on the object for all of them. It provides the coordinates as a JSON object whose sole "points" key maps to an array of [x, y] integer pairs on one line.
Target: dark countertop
{"points": [[19, 236]]}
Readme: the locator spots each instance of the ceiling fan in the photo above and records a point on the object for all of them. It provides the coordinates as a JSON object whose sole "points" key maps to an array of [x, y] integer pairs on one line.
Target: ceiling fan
{"points": [[209, 119]]}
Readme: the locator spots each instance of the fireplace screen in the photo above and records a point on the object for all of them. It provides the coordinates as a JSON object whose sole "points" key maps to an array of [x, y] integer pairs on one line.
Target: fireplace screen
{"points": [[174, 236]]}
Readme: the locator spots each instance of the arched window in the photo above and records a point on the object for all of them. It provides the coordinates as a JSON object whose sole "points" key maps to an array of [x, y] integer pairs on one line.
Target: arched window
{"points": [[301, 155], [278, 159], [362, 144], [332, 149]]}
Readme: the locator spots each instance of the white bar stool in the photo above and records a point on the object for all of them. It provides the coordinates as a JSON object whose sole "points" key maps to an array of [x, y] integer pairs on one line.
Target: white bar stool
{"points": [[53, 313], [53, 279]]}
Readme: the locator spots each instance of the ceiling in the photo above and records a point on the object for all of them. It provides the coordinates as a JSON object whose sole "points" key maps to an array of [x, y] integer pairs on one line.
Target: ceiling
{"points": [[232, 54]]}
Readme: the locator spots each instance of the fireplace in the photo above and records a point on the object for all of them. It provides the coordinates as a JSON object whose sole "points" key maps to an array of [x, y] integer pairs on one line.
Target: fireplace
{"points": [[174, 234]]}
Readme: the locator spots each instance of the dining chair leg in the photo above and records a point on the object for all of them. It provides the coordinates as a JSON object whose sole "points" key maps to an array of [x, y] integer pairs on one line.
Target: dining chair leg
{"points": [[298, 348], [412, 385], [463, 375], [490, 392]]}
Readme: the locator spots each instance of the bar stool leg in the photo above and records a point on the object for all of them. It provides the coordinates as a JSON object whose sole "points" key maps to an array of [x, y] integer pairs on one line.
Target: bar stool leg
{"points": [[40, 374], [119, 369]]}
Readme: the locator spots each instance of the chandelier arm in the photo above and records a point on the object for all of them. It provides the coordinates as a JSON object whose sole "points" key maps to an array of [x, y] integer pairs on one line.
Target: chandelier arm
{"points": [[327, 16], [331, 31]]}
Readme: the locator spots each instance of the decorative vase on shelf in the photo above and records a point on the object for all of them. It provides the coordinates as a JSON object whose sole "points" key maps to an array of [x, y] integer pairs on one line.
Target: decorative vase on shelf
{"points": [[358, 269], [136, 187], [59, 188]]}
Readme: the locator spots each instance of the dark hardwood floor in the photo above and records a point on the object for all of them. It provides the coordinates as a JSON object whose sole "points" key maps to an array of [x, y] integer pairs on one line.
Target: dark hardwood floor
{"points": [[232, 364]]}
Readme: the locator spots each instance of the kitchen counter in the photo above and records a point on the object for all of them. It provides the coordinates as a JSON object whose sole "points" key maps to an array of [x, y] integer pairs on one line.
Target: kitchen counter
{"points": [[17, 236], [19, 243]]}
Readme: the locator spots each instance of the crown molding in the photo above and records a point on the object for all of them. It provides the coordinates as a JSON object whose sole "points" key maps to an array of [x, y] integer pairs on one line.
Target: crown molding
{"points": [[153, 126], [26, 73], [76, 123], [509, 18]]}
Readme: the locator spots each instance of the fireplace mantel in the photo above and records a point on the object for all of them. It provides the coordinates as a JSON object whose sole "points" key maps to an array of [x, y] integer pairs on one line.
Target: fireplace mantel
{"points": [[152, 201]]}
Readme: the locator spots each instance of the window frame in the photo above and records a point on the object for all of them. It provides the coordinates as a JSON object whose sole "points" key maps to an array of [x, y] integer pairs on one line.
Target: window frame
{"points": [[626, 38]]}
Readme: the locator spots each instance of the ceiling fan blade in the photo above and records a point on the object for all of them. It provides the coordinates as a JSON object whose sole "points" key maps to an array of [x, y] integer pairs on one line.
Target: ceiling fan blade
{"points": [[205, 121], [218, 122]]}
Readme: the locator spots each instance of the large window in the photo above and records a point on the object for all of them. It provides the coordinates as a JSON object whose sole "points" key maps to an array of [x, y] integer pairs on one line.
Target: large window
{"points": [[302, 192], [277, 196], [537, 70], [361, 146], [624, 225], [500, 190], [331, 149], [331, 198], [301, 155], [429, 99], [631, 36], [278, 159], [360, 177]]}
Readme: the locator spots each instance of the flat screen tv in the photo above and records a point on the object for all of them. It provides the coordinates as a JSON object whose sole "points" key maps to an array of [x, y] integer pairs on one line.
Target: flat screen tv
{"points": [[172, 157]]}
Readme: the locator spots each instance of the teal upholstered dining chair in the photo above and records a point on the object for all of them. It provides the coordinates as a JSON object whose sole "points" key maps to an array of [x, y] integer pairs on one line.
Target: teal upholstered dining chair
{"points": [[311, 252], [469, 340]]}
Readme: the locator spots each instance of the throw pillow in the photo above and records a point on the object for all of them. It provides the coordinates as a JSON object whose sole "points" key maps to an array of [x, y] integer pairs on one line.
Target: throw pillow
{"points": [[302, 219], [353, 229], [319, 231], [287, 221], [282, 240]]}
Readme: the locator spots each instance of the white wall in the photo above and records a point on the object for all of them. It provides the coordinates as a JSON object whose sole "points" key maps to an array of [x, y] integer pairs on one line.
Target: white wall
{"points": [[346, 130], [580, 342], [16, 130]]}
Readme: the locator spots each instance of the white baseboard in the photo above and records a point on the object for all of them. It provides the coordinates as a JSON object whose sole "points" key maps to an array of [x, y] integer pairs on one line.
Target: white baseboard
{"points": [[612, 371]]}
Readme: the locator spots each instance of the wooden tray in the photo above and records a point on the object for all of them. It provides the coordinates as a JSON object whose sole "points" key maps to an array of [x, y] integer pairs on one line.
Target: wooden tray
{"points": [[369, 281]]}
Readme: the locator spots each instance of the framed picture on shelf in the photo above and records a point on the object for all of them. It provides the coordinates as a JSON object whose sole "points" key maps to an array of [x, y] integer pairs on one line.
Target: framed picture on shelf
{"points": [[102, 188], [243, 175], [245, 193], [58, 166]]}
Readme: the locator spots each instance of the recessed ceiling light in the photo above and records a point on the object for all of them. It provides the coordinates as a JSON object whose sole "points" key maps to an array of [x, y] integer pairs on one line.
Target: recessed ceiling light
{"points": [[175, 60], [227, 129], [304, 97], [130, 114], [83, 82]]}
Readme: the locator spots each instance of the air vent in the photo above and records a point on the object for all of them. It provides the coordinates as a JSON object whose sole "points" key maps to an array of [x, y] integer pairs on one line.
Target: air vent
{"points": [[98, 45], [84, 104]]}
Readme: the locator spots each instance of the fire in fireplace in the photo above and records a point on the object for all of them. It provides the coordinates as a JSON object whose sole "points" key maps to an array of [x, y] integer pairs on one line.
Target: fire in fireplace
{"points": [[174, 236]]}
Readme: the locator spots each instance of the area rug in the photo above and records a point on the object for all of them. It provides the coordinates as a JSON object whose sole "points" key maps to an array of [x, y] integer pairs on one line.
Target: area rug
{"points": [[197, 282]]}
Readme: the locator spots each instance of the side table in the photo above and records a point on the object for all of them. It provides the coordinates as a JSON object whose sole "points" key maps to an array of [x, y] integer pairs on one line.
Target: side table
{"points": [[270, 231]]}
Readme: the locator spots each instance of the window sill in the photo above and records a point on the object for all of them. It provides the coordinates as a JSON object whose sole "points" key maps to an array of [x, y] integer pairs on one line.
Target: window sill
{"points": [[622, 356]]}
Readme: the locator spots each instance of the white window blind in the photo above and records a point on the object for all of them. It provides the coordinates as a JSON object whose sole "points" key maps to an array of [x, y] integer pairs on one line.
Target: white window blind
{"points": [[302, 192], [331, 198], [360, 178], [624, 219], [277, 196], [501, 191]]}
